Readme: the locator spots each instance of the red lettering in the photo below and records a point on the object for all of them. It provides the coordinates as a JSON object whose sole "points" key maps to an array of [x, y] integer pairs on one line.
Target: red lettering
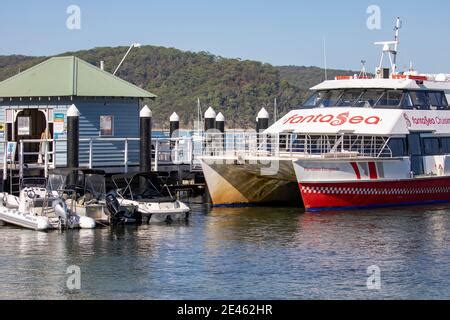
{"points": [[297, 119], [317, 118], [373, 120], [327, 118], [289, 119], [356, 120], [341, 119], [308, 119]]}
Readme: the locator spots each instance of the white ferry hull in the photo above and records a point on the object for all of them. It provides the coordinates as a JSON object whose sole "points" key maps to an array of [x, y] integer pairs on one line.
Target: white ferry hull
{"points": [[250, 182]]}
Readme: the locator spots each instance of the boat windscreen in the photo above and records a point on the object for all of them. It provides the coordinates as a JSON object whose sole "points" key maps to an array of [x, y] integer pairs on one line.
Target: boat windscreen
{"points": [[95, 184], [33, 183], [356, 98], [137, 187], [56, 182]]}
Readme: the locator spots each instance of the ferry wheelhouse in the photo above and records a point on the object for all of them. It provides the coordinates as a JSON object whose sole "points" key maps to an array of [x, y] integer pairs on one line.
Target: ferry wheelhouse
{"points": [[357, 142]]}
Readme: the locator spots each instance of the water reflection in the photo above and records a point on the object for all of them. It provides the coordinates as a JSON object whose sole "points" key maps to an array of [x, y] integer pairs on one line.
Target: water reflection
{"points": [[238, 253]]}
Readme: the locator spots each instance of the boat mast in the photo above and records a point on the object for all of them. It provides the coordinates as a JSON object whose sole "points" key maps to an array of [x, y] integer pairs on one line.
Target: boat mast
{"points": [[199, 116], [394, 52], [390, 48], [275, 110]]}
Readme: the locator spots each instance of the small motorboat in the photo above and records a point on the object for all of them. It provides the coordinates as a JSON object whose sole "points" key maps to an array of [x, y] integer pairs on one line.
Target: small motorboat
{"points": [[39, 208], [140, 190], [84, 192]]}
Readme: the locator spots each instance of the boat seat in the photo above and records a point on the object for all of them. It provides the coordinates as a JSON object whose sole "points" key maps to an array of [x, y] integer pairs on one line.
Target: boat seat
{"points": [[11, 202], [38, 202]]}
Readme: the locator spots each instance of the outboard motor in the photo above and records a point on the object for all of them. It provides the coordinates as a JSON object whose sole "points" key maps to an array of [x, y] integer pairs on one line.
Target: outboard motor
{"points": [[117, 216], [61, 211]]}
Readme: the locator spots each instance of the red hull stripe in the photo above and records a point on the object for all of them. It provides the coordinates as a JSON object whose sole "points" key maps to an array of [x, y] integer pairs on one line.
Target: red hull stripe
{"points": [[373, 171], [356, 168], [374, 193]]}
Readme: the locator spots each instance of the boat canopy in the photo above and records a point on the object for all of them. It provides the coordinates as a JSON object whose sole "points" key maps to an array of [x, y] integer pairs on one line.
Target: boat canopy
{"points": [[395, 84]]}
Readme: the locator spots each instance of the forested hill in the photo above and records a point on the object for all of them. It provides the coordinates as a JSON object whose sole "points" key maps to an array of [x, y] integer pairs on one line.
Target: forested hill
{"points": [[237, 88], [307, 77]]}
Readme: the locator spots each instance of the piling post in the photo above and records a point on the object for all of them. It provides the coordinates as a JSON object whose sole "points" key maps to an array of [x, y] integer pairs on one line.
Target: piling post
{"points": [[174, 125], [174, 121], [210, 124], [262, 123], [145, 131], [145, 143], [220, 127], [210, 119], [73, 136], [73, 141], [262, 120]]}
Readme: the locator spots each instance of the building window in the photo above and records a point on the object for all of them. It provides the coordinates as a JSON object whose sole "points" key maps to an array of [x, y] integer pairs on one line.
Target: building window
{"points": [[106, 126], [24, 126]]}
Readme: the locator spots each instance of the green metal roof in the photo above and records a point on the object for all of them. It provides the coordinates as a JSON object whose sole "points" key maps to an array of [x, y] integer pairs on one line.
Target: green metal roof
{"points": [[68, 76]]}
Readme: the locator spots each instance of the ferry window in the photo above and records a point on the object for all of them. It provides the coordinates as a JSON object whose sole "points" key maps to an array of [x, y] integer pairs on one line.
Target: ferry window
{"points": [[369, 98], [445, 145], [437, 100], [407, 102], [106, 126], [390, 98], [397, 147], [420, 100], [414, 147], [312, 101], [431, 146], [349, 98], [330, 98]]}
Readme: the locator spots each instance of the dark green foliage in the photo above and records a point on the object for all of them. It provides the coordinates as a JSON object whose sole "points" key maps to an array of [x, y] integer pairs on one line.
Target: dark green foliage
{"points": [[307, 77], [237, 88]]}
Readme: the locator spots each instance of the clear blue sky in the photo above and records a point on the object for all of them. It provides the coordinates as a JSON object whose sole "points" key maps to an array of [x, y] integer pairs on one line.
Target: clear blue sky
{"points": [[277, 32]]}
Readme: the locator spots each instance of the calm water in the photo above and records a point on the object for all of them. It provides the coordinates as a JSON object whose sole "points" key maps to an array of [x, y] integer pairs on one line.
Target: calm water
{"points": [[251, 253]]}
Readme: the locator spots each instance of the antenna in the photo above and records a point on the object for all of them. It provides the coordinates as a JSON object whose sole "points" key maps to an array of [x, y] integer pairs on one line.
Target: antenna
{"points": [[397, 27], [275, 110], [390, 48], [363, 73], [199, 116], [325, 58]]}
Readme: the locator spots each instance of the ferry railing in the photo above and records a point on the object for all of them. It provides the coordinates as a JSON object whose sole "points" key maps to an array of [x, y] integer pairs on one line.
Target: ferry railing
{"points": [[101, 152], [176, 151], [289, 145]]}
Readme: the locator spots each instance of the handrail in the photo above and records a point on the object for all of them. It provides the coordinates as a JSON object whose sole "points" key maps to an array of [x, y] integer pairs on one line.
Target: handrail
{"points": [[252, 144], [117, 151]]}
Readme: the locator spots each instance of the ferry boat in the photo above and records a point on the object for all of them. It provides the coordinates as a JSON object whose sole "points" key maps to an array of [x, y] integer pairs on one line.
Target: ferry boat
{"points": [[357, 142]]}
